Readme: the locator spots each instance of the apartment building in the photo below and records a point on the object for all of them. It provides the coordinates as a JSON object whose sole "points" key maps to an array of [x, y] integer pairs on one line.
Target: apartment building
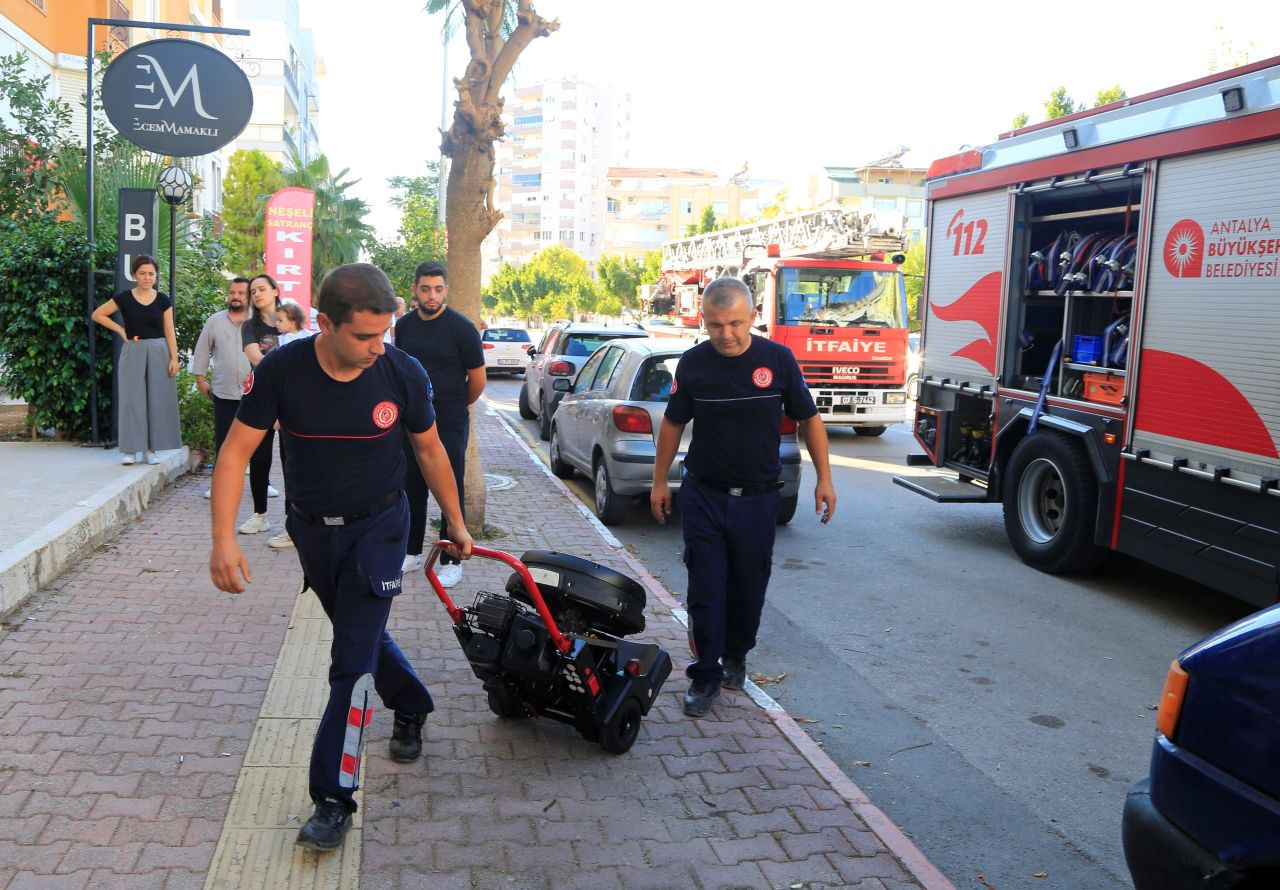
{"points": [[562, 136], [645, 206], [877, 187]]}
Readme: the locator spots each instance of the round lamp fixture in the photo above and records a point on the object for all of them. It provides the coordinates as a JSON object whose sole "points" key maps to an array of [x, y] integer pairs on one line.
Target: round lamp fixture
{"points": [[174, 185]]}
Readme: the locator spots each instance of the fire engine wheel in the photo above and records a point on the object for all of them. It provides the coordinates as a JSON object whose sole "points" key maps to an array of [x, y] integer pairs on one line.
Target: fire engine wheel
{"points": [[870, 430], [504, 704], [787, 509], [544, 421], [619, 734], [523, 404], [559, 466], [1051, 504], [609, 506]]}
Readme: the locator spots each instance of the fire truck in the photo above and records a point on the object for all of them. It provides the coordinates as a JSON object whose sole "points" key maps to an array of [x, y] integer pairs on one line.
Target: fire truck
{"points": [[827, 285], [1101, 317]]}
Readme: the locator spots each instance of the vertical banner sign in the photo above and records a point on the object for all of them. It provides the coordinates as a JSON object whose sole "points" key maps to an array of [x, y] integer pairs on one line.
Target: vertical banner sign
{"points": [[136, 233], [288, 228]]}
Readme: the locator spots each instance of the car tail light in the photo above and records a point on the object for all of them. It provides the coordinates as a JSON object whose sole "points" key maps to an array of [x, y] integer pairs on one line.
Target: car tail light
{"points": [[486, 346], [631, 419], [1175, 689], [788, 426], [560, 368]]}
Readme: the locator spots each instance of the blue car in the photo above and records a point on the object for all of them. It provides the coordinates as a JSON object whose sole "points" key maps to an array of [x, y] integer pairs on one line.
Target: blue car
{"points": [[1208, 816]]}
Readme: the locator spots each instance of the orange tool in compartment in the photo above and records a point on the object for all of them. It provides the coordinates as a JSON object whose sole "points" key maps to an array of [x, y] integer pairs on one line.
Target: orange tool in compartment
{"points": [[1106, 389]]}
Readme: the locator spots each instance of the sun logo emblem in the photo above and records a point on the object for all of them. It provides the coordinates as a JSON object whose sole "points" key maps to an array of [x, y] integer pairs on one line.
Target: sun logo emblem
{"points": [[1184, 249]]}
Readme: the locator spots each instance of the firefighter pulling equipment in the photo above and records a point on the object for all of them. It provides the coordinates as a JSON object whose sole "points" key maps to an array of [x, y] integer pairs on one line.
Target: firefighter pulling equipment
{"points": [[827, 285], [1097, 351]]}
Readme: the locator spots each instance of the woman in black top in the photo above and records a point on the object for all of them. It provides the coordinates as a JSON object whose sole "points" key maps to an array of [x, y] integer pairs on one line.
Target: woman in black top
{"points": [[148, 406], [259, 336]]}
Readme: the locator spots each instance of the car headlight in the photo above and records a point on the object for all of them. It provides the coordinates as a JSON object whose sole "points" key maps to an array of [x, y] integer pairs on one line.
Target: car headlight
{"points": [[895, 398]]}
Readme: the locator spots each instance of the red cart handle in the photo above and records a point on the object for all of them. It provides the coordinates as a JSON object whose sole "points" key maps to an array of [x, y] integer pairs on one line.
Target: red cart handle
{"points": [[561, 642]]}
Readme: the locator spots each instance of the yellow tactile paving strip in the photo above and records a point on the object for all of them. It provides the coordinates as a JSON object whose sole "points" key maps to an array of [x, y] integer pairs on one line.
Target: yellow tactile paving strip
{"points": [[270, 802]]}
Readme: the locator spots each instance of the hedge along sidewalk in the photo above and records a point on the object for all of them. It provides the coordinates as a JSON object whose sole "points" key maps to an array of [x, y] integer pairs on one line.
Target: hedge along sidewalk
{"points": [[742, 798]]}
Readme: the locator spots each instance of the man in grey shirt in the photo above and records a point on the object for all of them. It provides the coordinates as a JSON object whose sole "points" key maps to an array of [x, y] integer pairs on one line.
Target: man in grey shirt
{"points": [[220, 339]]}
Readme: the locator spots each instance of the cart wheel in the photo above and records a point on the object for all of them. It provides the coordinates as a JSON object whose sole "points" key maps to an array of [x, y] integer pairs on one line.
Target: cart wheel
{"points": [[504, 704], [620, 733]]}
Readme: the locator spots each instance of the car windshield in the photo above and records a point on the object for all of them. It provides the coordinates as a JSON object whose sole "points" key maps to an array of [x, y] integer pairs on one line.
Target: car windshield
{"points": [[505, 335], [653, 383], [584, 344], [841, 297]]}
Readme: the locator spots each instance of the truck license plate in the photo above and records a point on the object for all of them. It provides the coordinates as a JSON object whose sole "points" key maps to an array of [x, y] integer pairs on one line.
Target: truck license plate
{"points": [[855, 400]]}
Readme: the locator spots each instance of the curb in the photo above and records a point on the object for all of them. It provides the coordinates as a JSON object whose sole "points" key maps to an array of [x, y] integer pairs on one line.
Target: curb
{"points": [[42, 556], [914, 861]]}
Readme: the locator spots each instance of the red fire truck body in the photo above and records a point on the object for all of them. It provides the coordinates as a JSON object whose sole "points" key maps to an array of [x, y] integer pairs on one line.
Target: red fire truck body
{"points": [[1102, 311]]}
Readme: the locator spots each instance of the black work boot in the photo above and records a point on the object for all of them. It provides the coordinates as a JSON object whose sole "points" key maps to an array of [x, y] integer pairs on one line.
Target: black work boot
{"points": [[735, 672], [406, 737], [697, 701], [326, 827]]}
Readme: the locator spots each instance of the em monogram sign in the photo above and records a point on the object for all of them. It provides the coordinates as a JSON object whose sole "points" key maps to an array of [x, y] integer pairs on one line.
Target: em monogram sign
{"points": [[177, 97]]}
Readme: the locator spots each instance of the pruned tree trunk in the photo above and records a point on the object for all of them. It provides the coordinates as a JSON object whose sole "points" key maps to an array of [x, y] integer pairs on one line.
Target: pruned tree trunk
{"points": [[470, 214]]}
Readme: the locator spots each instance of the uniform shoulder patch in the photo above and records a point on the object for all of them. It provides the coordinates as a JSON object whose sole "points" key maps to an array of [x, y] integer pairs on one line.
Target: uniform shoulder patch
{"points": [[248, 384], [762, 377], [385, 414]]}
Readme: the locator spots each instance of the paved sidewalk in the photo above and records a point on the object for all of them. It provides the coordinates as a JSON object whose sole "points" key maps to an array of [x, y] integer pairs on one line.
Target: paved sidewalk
{"points": [[146, 715]]}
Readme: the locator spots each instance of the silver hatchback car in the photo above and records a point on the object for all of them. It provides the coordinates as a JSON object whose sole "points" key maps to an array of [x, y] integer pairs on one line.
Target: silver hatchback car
{"points": [[607, 425]]}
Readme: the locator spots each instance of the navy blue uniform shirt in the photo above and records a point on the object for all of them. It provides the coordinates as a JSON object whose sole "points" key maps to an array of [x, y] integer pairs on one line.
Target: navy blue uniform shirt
{"points": [[737, 403], [343, 439], [447, 346]]}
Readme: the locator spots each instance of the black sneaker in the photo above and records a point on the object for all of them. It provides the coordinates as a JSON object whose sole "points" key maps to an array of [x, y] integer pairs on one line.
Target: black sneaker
{"points": [[326, 827], [735, 673], [406, 738], [697, 701]]}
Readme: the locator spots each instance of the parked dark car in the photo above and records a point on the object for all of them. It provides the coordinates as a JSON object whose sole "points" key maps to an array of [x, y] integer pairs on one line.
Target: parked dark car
{"points": [[563, 350], [607, 426], [1208, 815]]}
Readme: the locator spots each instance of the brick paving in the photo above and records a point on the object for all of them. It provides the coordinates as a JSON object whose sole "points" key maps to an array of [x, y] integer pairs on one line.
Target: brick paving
{"points": [[130, 687]]}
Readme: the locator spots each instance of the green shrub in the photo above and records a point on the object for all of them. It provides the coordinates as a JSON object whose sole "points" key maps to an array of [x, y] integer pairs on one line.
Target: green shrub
{"points": [[195, 413]]}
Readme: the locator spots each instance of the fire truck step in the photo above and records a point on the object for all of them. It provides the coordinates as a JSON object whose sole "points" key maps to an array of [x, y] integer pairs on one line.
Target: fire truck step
{"points": [[944, 489]]}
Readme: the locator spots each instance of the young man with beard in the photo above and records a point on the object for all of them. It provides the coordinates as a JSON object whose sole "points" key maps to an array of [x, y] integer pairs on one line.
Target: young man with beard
{"points": [[220, 341], [447, 345]]}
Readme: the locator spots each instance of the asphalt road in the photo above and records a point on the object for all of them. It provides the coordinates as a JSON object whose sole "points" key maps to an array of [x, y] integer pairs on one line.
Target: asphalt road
{"points": [[997, 714]]}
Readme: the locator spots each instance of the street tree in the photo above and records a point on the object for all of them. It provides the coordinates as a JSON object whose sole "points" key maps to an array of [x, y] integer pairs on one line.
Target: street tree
{"points": [[1059, 104], [252, 178], [556, 283], [470, 213], [913, 275], [419, 238], [338, 228], [707, 222], [1020, 120], [619, 278], [1113, 93]]}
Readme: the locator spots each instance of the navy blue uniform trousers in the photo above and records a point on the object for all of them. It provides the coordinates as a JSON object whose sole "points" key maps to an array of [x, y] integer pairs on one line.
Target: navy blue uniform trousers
{"points": [[354, 570], [454, 433], [728, 550]]}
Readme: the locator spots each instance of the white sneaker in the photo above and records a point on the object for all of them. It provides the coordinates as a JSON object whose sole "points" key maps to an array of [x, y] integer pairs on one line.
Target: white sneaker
{"points": [[126, 460], [271, 492], [281, 541], [256, 523], [208, 493], [153, 458], [449, 575], [412, 562]]}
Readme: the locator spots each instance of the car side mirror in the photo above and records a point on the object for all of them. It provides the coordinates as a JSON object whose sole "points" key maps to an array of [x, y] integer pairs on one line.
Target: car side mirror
{"points": [[532, 350], [562, 384]]}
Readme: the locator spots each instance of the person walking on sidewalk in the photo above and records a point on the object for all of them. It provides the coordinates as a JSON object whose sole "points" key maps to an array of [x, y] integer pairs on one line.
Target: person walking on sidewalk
{"points": [[736, 387], [258, 336], [447, 345], [343, 401], [220, 341], [148, 363]]}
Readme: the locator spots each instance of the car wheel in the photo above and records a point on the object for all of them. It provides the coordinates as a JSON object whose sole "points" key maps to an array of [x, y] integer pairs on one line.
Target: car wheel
{"points": [[523, 404], [870, 430], [913, 387], [787, 509], [544, 422], [1050, 505], [609, 507], [619, 734], [559, 466]]}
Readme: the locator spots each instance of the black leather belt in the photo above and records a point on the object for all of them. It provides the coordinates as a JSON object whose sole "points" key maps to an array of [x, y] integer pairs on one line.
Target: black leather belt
{"points": [[373, 510], [737, 491]]}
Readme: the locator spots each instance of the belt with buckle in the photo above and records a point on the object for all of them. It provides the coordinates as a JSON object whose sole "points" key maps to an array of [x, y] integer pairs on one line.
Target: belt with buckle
{"points": [[737, 491], [348, 518]]}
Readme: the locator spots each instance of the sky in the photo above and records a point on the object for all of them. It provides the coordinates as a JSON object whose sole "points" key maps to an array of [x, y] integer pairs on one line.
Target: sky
{"points": [[788, 87]]}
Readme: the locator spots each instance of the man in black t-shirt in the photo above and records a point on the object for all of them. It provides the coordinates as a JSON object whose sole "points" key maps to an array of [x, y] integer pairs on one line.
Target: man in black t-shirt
{"points": [[344, 402], [737, 387], [448, 346]]}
